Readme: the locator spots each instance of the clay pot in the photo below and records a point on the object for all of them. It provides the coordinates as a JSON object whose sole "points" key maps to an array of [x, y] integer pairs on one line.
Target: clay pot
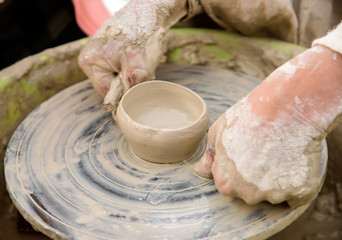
{"points": [[163, 122]]}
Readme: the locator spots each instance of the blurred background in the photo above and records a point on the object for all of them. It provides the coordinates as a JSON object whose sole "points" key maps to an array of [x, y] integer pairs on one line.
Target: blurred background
{"points": [[30, 26]]}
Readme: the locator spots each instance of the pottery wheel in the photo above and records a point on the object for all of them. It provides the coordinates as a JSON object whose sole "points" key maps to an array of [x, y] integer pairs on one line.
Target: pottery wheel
{"points": [[72, 175]]}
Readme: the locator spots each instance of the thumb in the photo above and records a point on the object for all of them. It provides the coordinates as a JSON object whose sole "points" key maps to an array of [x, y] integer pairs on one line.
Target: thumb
{"points": [[203, 167], [136, 67], [114, 94]]}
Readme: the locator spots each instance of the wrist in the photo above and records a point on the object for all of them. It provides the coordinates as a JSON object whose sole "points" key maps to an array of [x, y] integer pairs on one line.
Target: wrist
{"points": [[307, 89], [141, 18]]}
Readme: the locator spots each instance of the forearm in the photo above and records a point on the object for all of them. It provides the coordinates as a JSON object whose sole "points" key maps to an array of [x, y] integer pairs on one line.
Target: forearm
{"points": [[308, 87], [144, 17]]}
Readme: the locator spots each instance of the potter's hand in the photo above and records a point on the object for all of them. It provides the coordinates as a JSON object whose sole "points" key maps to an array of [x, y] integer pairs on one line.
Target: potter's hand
{"points": [[127, 48], [268, 145], [114, 62]]}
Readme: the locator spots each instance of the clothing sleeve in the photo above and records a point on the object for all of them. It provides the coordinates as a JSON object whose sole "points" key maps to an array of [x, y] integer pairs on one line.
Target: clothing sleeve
{"points": [[332, 40]]}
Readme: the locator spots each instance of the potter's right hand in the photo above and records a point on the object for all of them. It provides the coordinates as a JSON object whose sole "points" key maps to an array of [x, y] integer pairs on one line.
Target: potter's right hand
{"points": [[268, 145], [127, 48]]}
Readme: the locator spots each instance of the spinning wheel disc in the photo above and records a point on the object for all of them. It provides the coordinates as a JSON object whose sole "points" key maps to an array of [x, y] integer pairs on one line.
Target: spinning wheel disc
{"points": [[71, 173]]}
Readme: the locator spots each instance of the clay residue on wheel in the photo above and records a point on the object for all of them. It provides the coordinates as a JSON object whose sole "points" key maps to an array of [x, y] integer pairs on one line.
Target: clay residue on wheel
{"points": [[256, 57], [253, 56]]}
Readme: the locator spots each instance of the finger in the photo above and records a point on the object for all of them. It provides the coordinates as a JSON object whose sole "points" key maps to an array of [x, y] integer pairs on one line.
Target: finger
{"points": [[113, 95], [133, 76], [136, 67], [99, 61], [203, 167], [140, 75], [121, 82], [99, 70]]}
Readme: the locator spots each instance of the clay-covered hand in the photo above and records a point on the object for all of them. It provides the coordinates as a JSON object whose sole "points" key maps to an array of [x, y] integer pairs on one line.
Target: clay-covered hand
{"points": [[127, 48], [268, 146]]}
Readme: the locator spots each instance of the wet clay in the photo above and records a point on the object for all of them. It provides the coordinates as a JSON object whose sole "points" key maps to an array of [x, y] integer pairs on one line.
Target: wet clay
{"points": [[164, 116], [72, 175], [253, 56], [164, 110], [163, 122], [256, 57]]}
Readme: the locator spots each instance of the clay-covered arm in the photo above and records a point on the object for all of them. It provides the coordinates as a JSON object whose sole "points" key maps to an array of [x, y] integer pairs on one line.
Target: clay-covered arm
{"points": [[333, 40], [140, 17], [276, 18], [127, 48], [268, 145]]}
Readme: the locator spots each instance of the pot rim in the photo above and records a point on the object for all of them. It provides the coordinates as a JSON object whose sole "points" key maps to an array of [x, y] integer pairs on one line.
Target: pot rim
{"points": [[204, 114]]}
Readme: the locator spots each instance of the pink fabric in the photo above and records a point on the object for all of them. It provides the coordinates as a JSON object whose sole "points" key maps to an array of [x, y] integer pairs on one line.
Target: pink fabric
{"points": [[90, 15]]}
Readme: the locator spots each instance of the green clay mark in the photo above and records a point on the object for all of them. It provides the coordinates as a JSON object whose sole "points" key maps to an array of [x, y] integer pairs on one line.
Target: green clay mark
{"points": [[4, 82], [43, 58], [230, 41], [18, 94], [284, 47], [46, 58], [183, 31], [83, 41], [26, 87], [218, 52], [280, 46], [13, 114], [175, 54]]}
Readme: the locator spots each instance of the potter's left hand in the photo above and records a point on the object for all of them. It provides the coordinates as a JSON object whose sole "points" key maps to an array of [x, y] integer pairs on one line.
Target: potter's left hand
{"points": [[127, 48], [268, 145]]}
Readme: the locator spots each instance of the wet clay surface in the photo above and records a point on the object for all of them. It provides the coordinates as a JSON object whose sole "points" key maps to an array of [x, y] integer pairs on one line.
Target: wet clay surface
{"points": [[163, 122], [258, 58], [255, 57], [72, 175], [163, 110]]}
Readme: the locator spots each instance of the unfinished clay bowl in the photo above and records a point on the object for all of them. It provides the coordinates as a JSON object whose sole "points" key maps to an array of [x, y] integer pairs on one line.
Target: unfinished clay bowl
{"points": [[163, 122]]}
